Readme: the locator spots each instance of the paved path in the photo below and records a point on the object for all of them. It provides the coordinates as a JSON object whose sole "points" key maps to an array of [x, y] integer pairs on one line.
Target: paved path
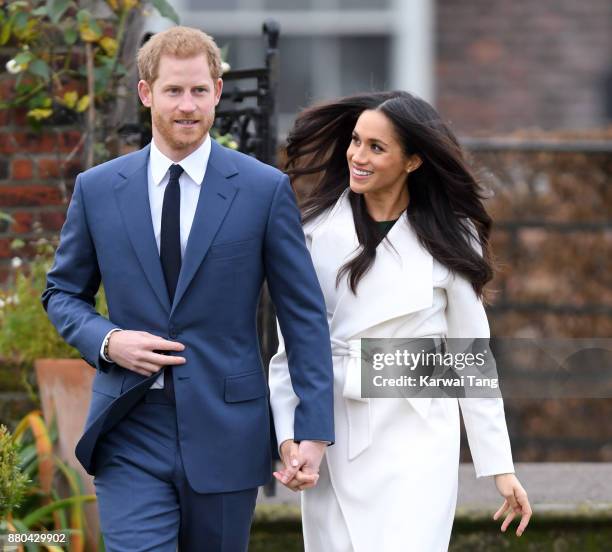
{"points": [[553, 487]]}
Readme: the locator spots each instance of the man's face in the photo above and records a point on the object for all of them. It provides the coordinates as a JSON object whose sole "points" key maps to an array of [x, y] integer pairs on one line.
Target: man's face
{"points": [[182, 101]]}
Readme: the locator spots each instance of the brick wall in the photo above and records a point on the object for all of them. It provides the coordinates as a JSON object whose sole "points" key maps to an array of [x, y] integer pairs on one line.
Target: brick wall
{"points": [[37, 171], [553, 241], [518, 63]]}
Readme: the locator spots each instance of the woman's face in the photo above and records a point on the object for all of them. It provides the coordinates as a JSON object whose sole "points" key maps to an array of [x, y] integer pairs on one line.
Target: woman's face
{"points": [[377, 163]]}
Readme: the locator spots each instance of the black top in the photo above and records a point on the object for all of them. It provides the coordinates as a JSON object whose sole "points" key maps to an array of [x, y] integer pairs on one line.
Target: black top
{"points": [[384, 226]]}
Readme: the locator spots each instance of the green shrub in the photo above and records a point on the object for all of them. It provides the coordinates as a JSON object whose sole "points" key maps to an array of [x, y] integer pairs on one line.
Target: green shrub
{"points": [[30, 478], [25, 331]]}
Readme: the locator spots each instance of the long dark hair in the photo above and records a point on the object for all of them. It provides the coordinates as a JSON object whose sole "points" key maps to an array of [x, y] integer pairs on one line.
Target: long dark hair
{"points": [[445, 200]]}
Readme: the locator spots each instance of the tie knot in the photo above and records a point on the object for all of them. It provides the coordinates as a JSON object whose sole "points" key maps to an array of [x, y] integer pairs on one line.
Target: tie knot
{"points": [[175, 172]]}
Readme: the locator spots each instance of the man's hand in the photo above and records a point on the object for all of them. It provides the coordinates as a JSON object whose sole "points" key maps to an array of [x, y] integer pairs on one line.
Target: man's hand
{"points": [[310, 454], [137, 351], [301, 464]]}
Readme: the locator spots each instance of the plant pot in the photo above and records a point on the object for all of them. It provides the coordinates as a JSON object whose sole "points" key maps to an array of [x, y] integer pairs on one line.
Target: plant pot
{"points": [[65, 391]]}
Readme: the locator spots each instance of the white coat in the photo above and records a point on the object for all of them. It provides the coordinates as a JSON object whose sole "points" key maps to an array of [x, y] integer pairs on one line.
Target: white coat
{"points": [[389, 482]]}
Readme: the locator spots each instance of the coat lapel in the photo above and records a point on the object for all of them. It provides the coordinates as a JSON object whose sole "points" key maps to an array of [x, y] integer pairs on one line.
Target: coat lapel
{"points": [[132, 195], [216, 195], [399, 282]]}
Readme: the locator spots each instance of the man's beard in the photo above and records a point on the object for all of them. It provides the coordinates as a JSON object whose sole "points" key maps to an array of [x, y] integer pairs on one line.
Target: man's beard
{"points": [[175, 137]]}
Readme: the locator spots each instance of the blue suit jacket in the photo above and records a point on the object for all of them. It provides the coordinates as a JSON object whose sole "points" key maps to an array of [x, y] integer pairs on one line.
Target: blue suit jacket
{"points": [[246, 229]]}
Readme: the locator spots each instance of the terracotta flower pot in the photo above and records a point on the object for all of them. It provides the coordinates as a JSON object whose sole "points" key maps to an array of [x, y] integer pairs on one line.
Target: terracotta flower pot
{"points": [[65, 392]]}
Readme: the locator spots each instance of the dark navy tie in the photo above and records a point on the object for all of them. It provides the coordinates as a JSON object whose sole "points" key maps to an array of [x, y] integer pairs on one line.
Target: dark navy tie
{"points": [[170, 247]]}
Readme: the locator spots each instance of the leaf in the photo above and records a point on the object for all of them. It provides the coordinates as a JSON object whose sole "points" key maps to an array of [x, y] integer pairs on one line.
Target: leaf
{"points": [[101, 546], [88, 34], [77, 514], [82, 104], [40, 513], [40, 99], [109, 45], [24, 58], [88, 27], [93, 23], [59, 516], [41, 11], [70, 99], [101, 76], [43, 443], [24, 423], [14, 6], [21, 20], [57, 8], [5, 33], [83, 16], [40, 68], [70, 36], [166, 10], [39, 113]]}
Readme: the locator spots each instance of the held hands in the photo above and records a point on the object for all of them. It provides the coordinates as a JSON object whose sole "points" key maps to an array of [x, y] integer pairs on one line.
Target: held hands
{"points": [[301, 464], [137, 351], [515, 502]]}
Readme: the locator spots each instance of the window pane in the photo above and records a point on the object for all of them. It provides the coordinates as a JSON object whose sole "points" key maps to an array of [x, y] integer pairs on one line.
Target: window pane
{"points": [[243, 52], [296, 86], [364, 64], [364, 4], [288, 4], [196, 5]]}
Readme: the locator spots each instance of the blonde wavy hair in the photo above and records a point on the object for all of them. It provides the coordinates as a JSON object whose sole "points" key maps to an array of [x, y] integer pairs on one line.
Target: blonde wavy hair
{"points": [[180, 42]]}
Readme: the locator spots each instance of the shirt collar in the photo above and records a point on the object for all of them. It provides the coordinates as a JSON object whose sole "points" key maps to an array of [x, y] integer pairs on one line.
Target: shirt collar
{"points": [[194, 164]]}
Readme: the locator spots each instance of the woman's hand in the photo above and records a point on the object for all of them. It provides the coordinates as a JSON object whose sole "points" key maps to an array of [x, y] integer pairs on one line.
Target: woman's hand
{"points": [[292, 475], [515, 502]]}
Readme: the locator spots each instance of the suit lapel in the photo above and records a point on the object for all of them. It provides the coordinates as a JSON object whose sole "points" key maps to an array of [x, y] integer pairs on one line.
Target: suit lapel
{"points": [[132, 195], [216, 195]]}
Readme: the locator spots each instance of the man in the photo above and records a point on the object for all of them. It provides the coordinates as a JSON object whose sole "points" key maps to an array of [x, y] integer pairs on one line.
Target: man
{"points": [[182, 234]]}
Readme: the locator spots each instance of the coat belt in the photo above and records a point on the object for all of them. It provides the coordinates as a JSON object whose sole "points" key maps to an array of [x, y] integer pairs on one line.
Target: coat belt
{"points": [[358, 408]]}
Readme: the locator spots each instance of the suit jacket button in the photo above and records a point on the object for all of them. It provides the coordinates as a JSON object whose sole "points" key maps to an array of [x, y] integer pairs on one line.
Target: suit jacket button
{"points": [[173, 334]]}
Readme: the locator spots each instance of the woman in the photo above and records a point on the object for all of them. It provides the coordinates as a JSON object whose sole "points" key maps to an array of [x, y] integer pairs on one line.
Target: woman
{"points": [[399, 238]]}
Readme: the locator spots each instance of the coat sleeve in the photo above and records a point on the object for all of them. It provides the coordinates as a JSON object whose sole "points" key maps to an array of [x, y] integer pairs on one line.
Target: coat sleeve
{"points": [[301, 373], [484, 418], [72, 284], [283, 399]]}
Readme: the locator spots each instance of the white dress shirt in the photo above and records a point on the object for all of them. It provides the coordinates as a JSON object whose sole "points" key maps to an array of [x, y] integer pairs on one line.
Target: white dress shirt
{"points": [[190, 182]]}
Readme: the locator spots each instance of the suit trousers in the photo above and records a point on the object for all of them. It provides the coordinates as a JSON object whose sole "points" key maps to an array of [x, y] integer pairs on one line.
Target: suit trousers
{"points": [[144, 498]]}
